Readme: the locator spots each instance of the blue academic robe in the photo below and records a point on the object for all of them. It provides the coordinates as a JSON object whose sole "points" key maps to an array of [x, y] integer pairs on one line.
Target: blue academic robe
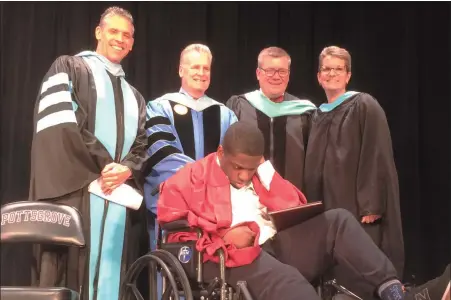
{"points": [[181, 130]]}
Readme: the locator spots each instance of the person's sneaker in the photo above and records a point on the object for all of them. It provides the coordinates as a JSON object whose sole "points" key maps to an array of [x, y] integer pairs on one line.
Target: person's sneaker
{"points": [[435, 289]]}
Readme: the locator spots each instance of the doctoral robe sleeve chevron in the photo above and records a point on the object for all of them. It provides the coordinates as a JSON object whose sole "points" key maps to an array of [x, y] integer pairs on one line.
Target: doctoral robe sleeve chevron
{"points": [[61, 162], [164, 149]]}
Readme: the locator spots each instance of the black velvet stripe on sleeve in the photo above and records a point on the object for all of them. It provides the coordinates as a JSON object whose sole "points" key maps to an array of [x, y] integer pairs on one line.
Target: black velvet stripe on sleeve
{"points": [[158, 156], [55, 89], [55, 108], [157, 121], [159, 135]]}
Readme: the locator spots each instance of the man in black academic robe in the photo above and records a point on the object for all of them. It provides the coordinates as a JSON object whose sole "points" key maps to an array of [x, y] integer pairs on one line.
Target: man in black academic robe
{"points": [[90, 123], [349, 162], [283, 118]]}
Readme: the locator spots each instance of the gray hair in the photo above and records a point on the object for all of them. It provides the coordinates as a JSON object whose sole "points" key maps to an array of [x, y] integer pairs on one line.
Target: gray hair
{"points": [[273, 52], [197, 48], [115, 11], [337, 52]]}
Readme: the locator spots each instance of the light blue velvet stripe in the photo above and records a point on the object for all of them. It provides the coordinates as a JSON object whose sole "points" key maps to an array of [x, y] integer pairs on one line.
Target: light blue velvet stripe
{"points": [[228, 117], [96, 213], [114, 228], [105, 122], [131, 117], [326, 107], [113, 242]]}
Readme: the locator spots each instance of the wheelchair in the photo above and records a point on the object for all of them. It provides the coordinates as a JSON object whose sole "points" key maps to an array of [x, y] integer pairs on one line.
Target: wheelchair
{"points": [[41, 223], [180, 265]]}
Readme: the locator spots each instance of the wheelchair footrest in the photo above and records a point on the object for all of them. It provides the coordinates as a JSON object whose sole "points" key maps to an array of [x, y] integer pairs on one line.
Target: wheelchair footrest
{"points": [[242, 289], [342, 289]]}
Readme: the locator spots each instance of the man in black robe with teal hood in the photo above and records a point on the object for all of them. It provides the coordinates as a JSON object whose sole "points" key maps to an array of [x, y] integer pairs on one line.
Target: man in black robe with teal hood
{"points": [[283, 118]]}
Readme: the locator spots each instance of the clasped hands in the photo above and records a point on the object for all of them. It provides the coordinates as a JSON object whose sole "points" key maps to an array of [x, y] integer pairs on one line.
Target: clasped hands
{"points": [[112, 176], [240, 236]]}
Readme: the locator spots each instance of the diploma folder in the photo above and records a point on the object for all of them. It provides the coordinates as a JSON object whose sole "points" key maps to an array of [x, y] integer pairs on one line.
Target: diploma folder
{"points": [[286, 218], [124, 195]]}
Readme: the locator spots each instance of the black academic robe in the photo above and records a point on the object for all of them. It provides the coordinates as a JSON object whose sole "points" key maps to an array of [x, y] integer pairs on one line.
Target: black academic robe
{"points": [[68, 153], [349, 164], [285, 144]]}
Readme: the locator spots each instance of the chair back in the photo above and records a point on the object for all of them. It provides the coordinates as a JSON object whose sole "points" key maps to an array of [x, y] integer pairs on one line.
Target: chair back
{"points": [[41, 223]]}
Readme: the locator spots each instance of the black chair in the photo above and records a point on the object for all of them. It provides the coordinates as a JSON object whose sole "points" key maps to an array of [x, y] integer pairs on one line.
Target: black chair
{"points": [[40, 223]]}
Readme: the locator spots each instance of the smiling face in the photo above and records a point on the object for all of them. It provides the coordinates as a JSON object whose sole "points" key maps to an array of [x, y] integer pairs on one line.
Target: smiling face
{"points": [[333, 75], [273, 75], [195, 71], [115, 38]]}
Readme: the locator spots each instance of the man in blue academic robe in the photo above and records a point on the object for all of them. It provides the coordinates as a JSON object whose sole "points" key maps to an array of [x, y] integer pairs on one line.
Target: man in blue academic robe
{"points": [[185, 126]]}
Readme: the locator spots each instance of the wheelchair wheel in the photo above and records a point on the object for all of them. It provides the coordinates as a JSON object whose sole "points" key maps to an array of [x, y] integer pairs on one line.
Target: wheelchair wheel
{"points": [[177, 269], [156, 259]]}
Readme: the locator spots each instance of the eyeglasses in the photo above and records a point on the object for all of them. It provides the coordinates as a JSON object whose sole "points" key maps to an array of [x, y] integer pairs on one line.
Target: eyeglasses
{"points": [[272, 72], [338, 70]]}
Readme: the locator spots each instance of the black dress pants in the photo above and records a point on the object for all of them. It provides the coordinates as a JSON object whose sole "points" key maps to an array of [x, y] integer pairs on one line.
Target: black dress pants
{"points": [[304, 252]]}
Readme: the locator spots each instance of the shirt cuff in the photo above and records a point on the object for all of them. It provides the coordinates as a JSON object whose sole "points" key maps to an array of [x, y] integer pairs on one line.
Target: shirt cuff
{"points": [[266, 173]]}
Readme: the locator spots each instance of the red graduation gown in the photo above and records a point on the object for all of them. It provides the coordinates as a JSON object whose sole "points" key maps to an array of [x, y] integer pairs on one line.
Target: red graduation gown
{"points": [[200, 193]]}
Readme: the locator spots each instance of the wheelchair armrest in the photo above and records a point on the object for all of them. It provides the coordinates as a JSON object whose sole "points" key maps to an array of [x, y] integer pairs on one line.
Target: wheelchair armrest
{"points": [[175, 225]]}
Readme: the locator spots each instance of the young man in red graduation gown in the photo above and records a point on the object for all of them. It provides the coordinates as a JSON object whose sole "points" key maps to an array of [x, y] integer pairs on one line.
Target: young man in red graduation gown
{"points": [[228, 195]]}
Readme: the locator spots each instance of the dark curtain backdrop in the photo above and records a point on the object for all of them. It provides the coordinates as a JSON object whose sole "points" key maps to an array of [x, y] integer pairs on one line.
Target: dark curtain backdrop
{"points": [[400, 54]]}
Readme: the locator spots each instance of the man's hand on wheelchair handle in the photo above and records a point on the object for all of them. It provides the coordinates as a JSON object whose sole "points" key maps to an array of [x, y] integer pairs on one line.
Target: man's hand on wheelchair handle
{"points": [[241, 237]]}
